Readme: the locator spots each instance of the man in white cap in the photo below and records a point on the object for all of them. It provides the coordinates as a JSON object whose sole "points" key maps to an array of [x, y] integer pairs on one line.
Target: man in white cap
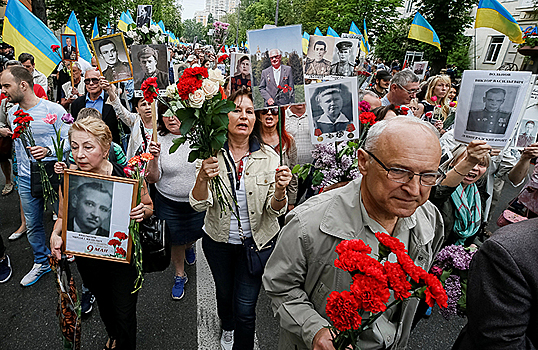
{"points": [[275, 76]]}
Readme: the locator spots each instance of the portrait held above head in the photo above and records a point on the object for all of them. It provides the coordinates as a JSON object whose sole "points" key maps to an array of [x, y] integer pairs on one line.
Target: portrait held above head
{"points": [[143, 15], [69, 50], [241, 78], [275, 76], [345, 64], [109, 51], [147, 62], [90, 208], [491, 119], [331, 101], [317, 64], [527, 135]]}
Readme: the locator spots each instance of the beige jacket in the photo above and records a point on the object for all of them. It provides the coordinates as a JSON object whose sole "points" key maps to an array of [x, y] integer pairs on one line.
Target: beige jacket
{"points": [[300, 273], [259, 175]]}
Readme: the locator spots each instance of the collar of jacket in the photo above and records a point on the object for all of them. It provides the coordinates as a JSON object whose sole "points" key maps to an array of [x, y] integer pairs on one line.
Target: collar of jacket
{"points": [[344, 216], [254, 145]]}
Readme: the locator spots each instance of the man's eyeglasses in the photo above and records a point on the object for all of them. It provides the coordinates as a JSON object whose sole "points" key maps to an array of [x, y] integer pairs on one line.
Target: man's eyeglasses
{"points": [[410, 92], [92, 80], [403, 176], [273, 111], [274, 57]]}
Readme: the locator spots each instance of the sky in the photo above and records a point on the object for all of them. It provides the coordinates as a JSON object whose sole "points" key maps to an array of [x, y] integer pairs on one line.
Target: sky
{"points": [[190, 6]]}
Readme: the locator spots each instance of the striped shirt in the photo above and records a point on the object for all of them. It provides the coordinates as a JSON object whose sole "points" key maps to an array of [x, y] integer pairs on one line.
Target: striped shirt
{"points": [[298, 128]]}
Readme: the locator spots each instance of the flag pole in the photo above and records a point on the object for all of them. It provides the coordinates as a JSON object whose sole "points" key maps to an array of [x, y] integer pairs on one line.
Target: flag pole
{"points": [[474, 47], [71, 74]]}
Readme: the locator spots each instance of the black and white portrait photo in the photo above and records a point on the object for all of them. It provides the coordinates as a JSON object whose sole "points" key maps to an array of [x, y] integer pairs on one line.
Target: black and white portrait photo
{"points": [[240, 68], [276, 59], [333, 109], [345, 53], [150, 61], [97, 222], [526, 135], [69, 47], [419, 68], [490, 104], [143, 15], [112, 57], [319, 56]]}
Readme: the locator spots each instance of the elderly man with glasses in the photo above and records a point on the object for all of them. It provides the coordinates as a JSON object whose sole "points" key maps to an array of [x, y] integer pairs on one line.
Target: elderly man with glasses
{"points": [[96, 98], [403, 88], [399, 165], [273, 82]]}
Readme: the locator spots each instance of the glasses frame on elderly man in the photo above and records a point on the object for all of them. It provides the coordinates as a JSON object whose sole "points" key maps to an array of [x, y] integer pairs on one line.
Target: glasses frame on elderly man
{"points": [[404, 176], [409, 92]]}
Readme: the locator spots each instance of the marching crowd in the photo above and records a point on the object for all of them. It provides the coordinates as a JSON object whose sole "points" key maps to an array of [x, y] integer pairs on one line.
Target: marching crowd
{"points": [[417, 184]]}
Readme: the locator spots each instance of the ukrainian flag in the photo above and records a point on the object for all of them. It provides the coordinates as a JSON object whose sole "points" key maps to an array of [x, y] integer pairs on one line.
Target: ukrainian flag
{"points": [[365, 36], [353, 29], [123, 23], [131, 21], [491, 14], [421, 30], [95, 29], [332, 32], [306, 39], [74, 28], [26, 33], [246, 45], [318, 32], [161, 26]]}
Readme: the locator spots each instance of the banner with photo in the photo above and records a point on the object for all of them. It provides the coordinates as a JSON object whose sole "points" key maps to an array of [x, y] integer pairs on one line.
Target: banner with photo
{"points": [[420, 68], [490, 104], [239, 72], [333, 110], [276, 61], [344, 55], [319, 57], [113, 57], [526, 130], [150, 61]]}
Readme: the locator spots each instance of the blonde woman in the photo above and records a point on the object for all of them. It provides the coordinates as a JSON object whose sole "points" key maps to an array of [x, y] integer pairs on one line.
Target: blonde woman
{"points": [[437, 95]]}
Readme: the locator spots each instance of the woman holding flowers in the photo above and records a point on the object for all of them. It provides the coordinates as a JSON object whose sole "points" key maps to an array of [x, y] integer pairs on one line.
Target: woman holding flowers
{"points": [[436, 99], [257, 184], [112, 283]]}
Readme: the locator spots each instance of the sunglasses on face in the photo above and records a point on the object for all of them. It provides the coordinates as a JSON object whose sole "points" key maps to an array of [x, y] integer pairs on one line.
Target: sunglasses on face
{"points": [[92, 80], [273, 111]]}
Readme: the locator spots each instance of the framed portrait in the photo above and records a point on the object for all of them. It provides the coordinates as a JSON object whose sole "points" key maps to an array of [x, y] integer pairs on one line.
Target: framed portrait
{"points": [[344, 54], [319, 57], [240, 72], [419, 68], [69, 47], [150, 61], [276, 59], [143, 15], [490, 104], [112, 57], [526, 130], [333, 110], [96, 210]]}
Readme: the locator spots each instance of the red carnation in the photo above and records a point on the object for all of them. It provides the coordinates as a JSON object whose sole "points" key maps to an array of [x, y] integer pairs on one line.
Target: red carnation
{"points": [[54, 48], [391, 243], [280, 87], [248, 83], [187, 85], [429, 114], [350, 127], [195, 71], [222, 58], [435, 293], [149, 87], [121, 251], [114, 242], [317, 132], [371, 293], [120, 235], [367, 117], [342, 310], [397, 280]]}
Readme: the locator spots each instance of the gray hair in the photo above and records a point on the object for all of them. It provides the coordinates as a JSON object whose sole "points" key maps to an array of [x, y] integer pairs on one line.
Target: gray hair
{"points": [[78, 66], [363, 93], [375, 131], [404, 77]]}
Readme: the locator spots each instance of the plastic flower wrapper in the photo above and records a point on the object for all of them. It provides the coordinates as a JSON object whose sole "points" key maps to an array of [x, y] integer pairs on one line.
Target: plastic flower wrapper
{"points": [[372, 283], [58, 143]]}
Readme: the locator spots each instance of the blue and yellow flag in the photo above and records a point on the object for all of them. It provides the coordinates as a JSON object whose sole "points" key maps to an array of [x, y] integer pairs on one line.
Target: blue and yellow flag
{"points": [[161, 26], [95, 29], [491, 14], [332, 32], [353, 29], [421, 30], [246, 45], [131, 21], [74, 28], [306, 39], [26, 33], [318, 32], [365, 35], [123, 22]]}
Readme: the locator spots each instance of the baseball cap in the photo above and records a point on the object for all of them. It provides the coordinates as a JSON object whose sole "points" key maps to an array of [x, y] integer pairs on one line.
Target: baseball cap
{"points": [[383, 74]]}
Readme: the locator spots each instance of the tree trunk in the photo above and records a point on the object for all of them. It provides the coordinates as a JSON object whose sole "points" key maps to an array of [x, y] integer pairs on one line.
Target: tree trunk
{"points": [[39, 9]]}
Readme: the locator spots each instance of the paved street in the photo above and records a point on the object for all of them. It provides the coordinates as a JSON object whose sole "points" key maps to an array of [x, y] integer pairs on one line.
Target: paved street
{"points": [[28, 321]]}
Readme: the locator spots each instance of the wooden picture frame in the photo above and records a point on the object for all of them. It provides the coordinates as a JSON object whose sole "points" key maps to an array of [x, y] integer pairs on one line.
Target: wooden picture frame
{"points": [[96, 217], [69, 55], [123, 69]]}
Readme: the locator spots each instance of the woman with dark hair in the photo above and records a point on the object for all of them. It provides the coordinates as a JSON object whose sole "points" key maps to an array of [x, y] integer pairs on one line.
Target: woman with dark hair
{"points": [[453, 93], [267, 127], [173, 177], [242, 75], [251, 172]]}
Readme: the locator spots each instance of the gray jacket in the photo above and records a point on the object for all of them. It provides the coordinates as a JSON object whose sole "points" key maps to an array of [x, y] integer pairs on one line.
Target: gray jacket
{"points": [[300, 274]]}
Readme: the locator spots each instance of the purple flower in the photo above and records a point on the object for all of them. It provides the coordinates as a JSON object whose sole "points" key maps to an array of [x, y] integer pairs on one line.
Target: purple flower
{"points": [[364, 106], [454, 293], [455, 256], [68, 118]]}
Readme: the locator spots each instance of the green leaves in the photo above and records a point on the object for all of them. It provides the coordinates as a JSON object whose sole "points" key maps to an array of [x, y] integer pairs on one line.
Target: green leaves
{"points": [[193, 155], [177, 142], [302, 171]]}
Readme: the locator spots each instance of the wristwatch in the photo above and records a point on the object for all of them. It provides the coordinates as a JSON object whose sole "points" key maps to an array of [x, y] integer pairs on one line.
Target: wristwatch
{"points": [[49, 152]]}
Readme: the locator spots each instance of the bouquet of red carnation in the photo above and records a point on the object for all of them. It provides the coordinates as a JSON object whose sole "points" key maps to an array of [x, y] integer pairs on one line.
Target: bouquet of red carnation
{"points": [[371, 288], [23, 130], [283, 91], [367, 119], [135, 169]]}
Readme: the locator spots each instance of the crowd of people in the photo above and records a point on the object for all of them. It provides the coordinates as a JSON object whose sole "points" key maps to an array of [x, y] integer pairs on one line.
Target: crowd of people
{"points": [[417, 184]]}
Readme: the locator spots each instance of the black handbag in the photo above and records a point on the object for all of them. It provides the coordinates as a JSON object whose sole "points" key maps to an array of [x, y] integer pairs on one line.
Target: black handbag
{"points": [[257, 258], [156, 245], [36, 188]]}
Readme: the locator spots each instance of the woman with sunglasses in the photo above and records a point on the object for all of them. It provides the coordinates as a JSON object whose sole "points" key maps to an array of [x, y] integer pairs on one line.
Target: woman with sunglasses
{"points": [[267, 127]]}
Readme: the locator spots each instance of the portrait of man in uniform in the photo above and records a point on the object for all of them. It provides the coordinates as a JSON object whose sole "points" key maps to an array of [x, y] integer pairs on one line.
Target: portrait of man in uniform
{"points": [[90, 208], [318, 65], [346, 62], [110, 50], [147, 58], [491, 119], [527, 134]]}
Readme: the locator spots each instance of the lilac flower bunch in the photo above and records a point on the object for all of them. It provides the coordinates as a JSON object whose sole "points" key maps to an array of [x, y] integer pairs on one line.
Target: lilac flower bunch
{"points": [[451, 265]]}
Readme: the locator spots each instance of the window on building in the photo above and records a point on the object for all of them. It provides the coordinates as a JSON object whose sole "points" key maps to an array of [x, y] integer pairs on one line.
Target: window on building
{"points": [[494, 48]]}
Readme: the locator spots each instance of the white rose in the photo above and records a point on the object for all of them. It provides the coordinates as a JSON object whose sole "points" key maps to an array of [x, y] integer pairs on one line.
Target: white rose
{"points": [[154, 28], [144, 29], [216, 76], [171, 91], [210, 88], [196, 99], [154, 41]]}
